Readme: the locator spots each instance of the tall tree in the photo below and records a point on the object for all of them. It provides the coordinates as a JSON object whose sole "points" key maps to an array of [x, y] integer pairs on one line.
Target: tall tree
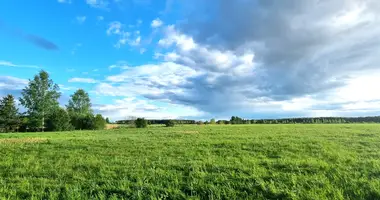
{"points": [[79, 104], [9, 117], [40, 98]]}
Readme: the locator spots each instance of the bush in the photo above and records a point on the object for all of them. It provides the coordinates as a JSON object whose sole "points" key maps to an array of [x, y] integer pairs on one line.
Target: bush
{"points": [[169, 123], [99, 122], [86, 122], [141, 123], [59, 120]]}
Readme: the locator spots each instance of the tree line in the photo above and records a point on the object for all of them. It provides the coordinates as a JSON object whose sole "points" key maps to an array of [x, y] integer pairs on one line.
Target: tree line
{"points": [[42, 110], [158, 121], [238, 120], [303, 120]]}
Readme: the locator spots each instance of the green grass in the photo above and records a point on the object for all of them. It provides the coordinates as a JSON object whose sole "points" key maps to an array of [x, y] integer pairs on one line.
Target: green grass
{"points": [[194, 162]]}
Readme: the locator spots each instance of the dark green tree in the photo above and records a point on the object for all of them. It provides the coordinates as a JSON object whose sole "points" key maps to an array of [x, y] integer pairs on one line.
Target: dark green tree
{"points": [[59, 120], [80, 112], [141, 123], [212, 121], [99, 122], [107, 120], [40, 98], [9, 116], [169, 123]]}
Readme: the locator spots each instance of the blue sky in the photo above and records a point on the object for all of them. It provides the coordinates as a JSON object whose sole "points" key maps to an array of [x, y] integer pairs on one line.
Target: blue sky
{"points": [[198, 59]]}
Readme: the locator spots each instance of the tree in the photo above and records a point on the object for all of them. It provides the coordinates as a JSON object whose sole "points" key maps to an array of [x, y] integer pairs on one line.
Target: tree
{"points": [[141, 123], [79, 104], [86, 122], [169, 123], [107, 120], [40, 98], [9, 117], [59, 120], [131, 121], [99, 122], [80, 112], [212, 121]]}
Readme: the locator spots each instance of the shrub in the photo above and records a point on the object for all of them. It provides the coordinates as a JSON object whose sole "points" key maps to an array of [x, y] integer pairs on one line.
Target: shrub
{"points": [[86, 122], [141, 123], [99, 122], [59, 120], [169, 123]]}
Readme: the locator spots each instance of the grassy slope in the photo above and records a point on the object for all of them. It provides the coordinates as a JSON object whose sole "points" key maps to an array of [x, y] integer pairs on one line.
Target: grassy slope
{"points": [[199, 162]]}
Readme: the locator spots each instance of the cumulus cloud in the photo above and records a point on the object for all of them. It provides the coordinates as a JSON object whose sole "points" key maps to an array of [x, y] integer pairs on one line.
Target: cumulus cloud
{"points": [[156, 23], [131, 106], [303, 47], [82, 80], [306, 58], [274, 50], [147, 80]]}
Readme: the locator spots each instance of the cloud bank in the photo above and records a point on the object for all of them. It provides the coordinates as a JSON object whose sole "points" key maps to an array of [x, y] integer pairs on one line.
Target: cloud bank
{"points": [[262, 58]]}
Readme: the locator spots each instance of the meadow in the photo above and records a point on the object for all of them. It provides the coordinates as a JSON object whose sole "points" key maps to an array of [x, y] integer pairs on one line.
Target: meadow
{"points": [[194, 162]]}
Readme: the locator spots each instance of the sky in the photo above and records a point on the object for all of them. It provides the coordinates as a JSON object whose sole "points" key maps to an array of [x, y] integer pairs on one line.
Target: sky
{"points": [[199, 59]]}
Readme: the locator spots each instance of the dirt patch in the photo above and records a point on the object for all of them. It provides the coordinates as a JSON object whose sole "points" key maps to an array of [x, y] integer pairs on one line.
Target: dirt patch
{"points": [[112, 126], [22, 140]]}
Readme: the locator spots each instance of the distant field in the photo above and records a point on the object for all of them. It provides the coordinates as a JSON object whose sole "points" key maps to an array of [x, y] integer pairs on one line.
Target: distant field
{"points": [[196, 162]]}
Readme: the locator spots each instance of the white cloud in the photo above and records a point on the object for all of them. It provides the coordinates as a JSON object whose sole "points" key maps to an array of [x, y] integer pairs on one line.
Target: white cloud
{"points": [[7, 63], [66, 88], [124, 37], [132, 106], [10, 64], [114, 28], [100, 18], [136, 42], [82, 80], [183, 41], [81, 19], [102, 4], [9, 82], [156, 23], [11, 85]]}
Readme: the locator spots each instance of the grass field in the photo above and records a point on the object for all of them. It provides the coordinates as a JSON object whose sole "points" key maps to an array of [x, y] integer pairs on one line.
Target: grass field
{"points": [[194, 162]]}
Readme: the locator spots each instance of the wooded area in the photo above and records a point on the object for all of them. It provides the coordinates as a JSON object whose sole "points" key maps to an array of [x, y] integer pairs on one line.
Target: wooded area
{"points": [[43, 113]]}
